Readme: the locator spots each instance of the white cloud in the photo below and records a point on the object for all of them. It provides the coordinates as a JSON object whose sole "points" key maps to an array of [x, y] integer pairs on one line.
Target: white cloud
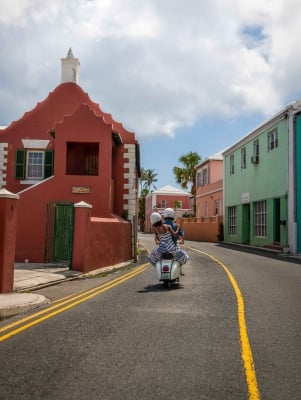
{"points": [[23, 13], [155, 65]]}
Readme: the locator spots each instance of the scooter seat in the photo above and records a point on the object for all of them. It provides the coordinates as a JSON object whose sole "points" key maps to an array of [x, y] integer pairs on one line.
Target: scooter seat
{"points": [[167, 256]]}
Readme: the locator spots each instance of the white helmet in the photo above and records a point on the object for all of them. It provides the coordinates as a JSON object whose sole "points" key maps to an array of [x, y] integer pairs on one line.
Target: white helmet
{"points": [[169, 213], [155, 217]]}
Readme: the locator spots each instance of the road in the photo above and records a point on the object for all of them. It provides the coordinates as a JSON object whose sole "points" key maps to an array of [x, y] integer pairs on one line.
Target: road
{"points": [[133, 339]]}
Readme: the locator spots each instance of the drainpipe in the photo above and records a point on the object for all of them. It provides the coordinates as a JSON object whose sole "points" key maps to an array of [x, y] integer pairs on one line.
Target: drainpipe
{"points": [[291, 200]]}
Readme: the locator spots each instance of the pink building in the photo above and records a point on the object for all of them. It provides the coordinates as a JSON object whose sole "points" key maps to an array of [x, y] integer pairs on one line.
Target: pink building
{"points": [[167, 196], [67, 151], [209, 193]]}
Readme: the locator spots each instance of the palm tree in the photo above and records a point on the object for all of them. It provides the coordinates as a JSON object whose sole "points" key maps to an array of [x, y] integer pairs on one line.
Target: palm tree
{"points": [[142, 179], [141, 211], [149, 177], [187, 174]]}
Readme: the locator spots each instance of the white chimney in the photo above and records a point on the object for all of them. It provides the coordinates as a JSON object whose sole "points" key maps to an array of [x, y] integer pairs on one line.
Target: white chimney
{"points": [[70, 68]]}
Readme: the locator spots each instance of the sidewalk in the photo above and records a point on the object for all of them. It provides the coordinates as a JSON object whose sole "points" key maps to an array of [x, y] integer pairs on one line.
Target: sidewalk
{"points": [[29, 277]]}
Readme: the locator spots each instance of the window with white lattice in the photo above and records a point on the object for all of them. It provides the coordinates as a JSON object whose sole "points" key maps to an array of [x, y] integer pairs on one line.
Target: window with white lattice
{"points": [[260, 218], [232, 220]]}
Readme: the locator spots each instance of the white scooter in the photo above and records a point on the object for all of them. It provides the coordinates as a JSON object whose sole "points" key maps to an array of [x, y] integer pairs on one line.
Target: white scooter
{"points": [[168, 270]]}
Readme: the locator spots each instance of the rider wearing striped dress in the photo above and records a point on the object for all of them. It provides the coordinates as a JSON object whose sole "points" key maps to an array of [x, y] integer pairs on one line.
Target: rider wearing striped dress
{"points": [[164, 237]]}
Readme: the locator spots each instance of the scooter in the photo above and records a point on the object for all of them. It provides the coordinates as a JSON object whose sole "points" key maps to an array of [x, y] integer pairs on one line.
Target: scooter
{"points": [[168, 270]]}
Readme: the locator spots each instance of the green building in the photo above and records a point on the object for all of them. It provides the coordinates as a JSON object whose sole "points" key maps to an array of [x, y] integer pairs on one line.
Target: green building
{"points": [[262, 184]]}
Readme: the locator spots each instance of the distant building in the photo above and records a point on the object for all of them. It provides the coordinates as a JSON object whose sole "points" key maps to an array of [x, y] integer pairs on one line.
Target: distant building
{"points": [[167, 196]]}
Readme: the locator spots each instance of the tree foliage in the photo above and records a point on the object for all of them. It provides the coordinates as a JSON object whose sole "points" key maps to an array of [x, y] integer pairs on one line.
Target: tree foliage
{"points": [[187, 174], [148, 179]]}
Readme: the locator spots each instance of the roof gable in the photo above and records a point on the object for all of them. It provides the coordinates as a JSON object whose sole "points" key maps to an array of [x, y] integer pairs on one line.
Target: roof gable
{"points": [[65, 99]]}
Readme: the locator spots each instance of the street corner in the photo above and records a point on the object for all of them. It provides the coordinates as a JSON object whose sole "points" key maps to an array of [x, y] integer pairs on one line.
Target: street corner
{"points": [[12, 304]]}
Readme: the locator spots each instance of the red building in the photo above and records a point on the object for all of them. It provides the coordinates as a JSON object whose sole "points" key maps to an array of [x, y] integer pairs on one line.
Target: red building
{"points": [[65, 151]]}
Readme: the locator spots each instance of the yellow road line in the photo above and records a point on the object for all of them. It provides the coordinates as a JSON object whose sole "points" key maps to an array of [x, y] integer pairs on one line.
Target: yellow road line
{"points": [[60, 302], [246, 352], [72, 303]]}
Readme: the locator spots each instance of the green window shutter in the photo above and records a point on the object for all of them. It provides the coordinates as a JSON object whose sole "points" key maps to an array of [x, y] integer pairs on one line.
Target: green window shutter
{"points": [[48, 165], [20, 164]]}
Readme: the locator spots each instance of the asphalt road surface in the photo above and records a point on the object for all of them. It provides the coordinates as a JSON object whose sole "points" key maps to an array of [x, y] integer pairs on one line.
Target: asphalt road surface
{"points": [[130, 338]]}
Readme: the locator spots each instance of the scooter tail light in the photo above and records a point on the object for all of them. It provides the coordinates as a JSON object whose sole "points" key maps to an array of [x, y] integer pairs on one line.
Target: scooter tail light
{"points": [[165, 268]]}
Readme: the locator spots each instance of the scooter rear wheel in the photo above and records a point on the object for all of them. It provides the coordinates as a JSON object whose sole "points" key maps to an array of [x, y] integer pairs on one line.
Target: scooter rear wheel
{"points": [[167, 284]]}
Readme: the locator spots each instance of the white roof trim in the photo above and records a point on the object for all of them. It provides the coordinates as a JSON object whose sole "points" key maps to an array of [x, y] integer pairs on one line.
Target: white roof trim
{"points": [[168, 189], [214, 157], [265, 125], [35, 143]]}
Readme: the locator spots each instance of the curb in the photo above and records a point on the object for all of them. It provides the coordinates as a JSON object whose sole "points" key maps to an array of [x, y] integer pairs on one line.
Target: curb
{"points": [[25, 299], [22, 302], [47, 284]]}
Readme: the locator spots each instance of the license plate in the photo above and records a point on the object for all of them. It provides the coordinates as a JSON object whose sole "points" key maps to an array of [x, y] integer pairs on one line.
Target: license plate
{"points": [[165, 275]]}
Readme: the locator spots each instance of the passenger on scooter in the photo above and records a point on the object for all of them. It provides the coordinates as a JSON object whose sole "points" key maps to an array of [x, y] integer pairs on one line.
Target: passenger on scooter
{"points": [[169, 219], [164, 234]]}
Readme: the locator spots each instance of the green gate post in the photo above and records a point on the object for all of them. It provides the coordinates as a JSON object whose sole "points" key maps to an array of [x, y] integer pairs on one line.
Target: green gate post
{"points": [[82, 216], [8, 230]]}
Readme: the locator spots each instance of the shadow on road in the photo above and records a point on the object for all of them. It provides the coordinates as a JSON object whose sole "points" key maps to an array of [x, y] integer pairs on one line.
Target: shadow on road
{"points": [[160, 288]]}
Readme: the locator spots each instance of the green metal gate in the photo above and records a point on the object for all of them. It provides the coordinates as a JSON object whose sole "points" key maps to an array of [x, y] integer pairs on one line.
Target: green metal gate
{"points": [[59, 232]]}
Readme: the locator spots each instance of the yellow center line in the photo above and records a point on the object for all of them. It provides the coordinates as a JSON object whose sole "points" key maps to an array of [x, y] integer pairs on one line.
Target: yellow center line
{"points": [[246, 352], [72, 303]]}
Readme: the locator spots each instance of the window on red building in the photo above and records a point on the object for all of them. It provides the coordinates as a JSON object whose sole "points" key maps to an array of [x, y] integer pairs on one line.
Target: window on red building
{"points": [[82, 158], [32, 164]]}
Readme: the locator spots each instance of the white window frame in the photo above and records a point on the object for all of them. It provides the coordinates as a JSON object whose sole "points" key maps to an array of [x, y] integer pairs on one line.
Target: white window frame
{"points": [[256, 151], [232, 164], [199, 179], [217, 207], [232, 220], [243, 158], [273, 139], [37, 166], [260, 218], [205, 176]]}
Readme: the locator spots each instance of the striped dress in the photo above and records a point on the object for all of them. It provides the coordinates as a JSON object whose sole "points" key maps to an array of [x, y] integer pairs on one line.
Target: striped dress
{"points": [[167, 245]]}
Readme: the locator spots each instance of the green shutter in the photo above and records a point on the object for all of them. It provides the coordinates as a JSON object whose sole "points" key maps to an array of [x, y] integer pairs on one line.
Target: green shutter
{"points": [[48, 165], [20, 164]]}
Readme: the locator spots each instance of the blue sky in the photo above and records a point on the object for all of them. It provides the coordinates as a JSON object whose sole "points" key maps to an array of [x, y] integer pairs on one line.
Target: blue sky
{"points": [[183, 78], [206, 137]]}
